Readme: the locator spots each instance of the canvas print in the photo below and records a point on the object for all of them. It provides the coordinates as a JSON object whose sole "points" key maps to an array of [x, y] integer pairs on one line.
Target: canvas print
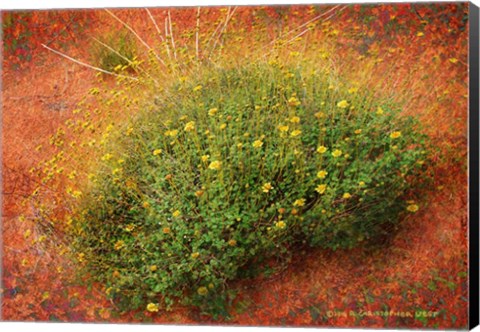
{"points": [[297, 165]]}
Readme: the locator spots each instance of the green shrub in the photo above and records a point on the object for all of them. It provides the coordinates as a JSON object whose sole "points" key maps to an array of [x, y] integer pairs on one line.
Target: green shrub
{"points": [[115, 52], [233, 173]]}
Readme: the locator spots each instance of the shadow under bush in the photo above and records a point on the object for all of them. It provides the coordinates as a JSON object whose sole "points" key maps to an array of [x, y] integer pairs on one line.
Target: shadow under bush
{"points": [[234, 172]]}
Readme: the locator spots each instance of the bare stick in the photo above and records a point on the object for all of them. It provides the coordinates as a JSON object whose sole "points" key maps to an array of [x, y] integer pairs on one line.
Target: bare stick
{"points": [[135, 34], [87, 65], [166, 36], [158, 31], [171, 35], [155, 24], [197, 31]]}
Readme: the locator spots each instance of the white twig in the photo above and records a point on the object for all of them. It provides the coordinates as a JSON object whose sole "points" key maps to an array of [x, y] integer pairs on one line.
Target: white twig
{"points": [[155, 24], [197, 32], [166, 36], [158, 31], [171, 35], [87, 65]]}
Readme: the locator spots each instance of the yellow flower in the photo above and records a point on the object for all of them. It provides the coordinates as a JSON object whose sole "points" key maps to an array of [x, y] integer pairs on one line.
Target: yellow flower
{"points": [[119, 245], [343, 104], [318, 115], [420, 34], [176, 213], [129, 227], [166, 230], [295, 119], [379, 111], [223, 126], [81, 257], [295, 133], [453, 60], [337, 153], [215, 165], [146, 205], [232, 243], [213, 111], [283, 128], [27, 233], [197, 88], [280, 225], [153, 268], [347, 196], [156, 152], [352, 90], [257, 144], [76, 194], [293, 101], [195, 255], [395, 134], [322, 174], [321, 188], [361, 183], [299, 202], [267, 187], [202, 291], [321, 149], [358, 131], [190, 126], [412, 208], [171, 133], [107, 156], [45, 296], [152, 307], [199, 193], [205, 158]]}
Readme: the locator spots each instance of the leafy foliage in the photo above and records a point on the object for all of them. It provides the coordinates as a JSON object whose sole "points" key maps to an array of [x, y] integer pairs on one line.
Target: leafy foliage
{"points": [[238, 170]]}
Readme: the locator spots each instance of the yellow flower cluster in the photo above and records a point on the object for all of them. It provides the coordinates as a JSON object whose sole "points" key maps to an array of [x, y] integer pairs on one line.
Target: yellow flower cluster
{"points": [[257, 144], [299, 202], [190, 126], [267, 187], [337, 153], [395, 134], [322, 174], [343, 104], [152, 307], [280, 225], [215, 165], [321, 188]]}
